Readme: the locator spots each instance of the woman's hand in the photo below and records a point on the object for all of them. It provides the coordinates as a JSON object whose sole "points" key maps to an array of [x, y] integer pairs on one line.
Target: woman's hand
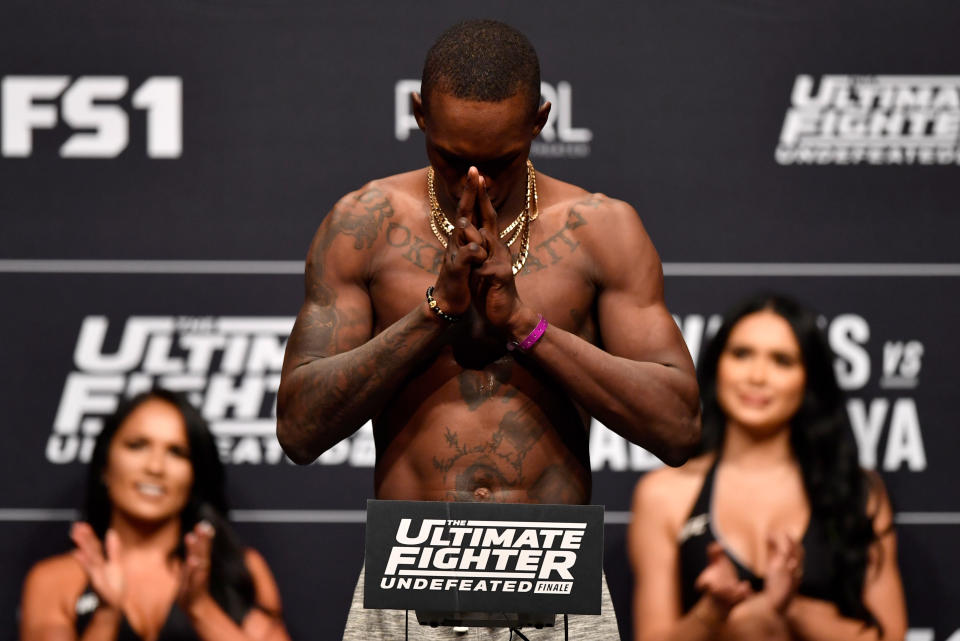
{"points": [[720, 582], [104, 570], [784, 570], [195, 574]]}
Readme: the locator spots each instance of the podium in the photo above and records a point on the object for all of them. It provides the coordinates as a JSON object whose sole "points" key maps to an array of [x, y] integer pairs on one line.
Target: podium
{"points": [[483, 564]]}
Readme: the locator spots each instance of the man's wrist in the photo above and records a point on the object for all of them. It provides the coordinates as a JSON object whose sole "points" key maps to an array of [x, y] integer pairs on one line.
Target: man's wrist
{"points": [[522, 322], [437, 309]]}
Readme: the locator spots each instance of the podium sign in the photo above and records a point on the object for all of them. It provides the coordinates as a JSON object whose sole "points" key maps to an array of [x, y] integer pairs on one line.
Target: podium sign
{"points": [[483, 557]]}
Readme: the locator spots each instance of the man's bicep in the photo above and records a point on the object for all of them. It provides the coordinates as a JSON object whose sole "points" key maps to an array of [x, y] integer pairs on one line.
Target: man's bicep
{"points": [[633, 318], [336, 315]]}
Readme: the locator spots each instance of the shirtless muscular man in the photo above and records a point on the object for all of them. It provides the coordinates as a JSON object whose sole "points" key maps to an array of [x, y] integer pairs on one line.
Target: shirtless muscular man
{"points": [[480, 312], [457, 415], [505, 252]]}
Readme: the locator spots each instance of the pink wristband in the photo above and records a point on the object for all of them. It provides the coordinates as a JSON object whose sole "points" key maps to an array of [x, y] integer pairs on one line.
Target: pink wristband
{"points": [[531, 338]]}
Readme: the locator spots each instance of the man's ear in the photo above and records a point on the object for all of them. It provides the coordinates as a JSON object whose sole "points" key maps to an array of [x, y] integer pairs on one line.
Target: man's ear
{"points": [[417, 103], [540, 120]]}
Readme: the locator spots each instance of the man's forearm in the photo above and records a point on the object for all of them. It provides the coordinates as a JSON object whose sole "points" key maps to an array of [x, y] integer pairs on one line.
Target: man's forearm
{"points": [[653, 405], [325, 400]]}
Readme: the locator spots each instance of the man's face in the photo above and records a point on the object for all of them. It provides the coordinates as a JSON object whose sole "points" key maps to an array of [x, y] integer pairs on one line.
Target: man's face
{"points": [[494, 137]]}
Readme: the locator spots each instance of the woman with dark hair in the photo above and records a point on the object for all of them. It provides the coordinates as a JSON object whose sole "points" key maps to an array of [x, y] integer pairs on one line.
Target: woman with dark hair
{"points": [[156, 558], [774, 531]]}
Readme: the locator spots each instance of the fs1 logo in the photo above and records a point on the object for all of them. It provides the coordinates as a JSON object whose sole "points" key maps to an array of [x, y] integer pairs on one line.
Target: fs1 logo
{"points": [[40, 102], [559, 138]]}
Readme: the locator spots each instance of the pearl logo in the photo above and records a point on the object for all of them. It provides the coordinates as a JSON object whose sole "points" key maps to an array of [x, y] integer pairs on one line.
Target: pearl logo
{"points": [[559, 138]]}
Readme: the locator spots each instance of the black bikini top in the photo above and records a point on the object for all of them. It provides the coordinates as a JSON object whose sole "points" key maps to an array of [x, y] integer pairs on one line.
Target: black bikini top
{"points": [[700, 530], [176, 627]]}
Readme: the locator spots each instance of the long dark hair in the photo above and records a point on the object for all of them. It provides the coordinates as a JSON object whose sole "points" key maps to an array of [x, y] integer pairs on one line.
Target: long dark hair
{"points": [[822, 442], [231, 585]]}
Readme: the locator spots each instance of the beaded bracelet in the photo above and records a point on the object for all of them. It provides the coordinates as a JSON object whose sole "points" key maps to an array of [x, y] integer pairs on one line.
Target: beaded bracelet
{"points": [[531, 338], [435, 308]]}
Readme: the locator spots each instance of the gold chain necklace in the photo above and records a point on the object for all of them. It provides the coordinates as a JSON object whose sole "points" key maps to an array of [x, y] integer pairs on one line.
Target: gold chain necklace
{"points": [[442, 227]]}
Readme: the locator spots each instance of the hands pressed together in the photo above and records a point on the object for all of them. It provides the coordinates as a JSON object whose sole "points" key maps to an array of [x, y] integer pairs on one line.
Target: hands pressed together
{"points": [[784, 570], [477, 267], [721, 584]]}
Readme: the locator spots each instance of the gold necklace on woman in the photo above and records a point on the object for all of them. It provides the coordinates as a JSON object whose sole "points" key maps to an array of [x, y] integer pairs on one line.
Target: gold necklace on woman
{"points": [[519, 227]]}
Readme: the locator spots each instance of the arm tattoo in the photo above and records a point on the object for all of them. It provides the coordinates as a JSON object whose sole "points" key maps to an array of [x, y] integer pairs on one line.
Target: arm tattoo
{"points": [[361, 217], [370, 370]]}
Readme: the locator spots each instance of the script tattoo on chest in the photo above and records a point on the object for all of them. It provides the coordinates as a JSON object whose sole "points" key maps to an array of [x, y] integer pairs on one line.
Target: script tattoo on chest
{"points": [[557, 246], [428, 255], [425, 255]]}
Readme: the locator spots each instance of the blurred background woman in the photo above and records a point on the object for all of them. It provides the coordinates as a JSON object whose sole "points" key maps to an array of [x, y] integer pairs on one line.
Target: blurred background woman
{"points": [[156, 558], [774, 532]]}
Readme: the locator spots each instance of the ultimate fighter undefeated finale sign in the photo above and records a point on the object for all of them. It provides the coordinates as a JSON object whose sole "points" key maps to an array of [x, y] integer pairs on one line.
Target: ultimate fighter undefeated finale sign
{"points": [[481, 557]]}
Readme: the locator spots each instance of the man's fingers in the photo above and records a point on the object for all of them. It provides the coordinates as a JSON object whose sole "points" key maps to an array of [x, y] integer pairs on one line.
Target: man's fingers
{"points": [[488, 215], [469, 254], [463, 233], [469, 196], [457, 237], [490, 239]]}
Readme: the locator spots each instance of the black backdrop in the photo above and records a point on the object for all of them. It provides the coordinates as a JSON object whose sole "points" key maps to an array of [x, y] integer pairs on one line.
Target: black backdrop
{"points": [[164, 166]]}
